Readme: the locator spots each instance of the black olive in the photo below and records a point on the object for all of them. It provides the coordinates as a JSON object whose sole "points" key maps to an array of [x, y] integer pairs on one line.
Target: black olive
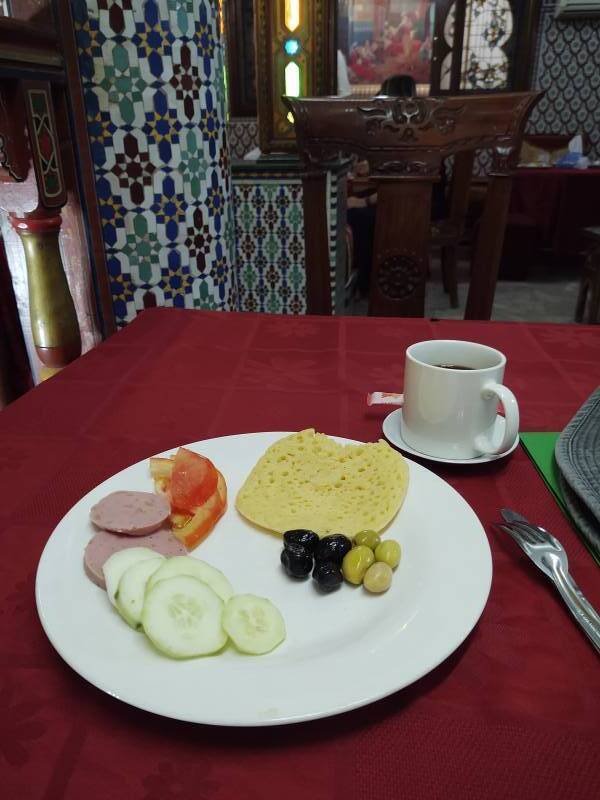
{"points": [[307, 539], [297, 561], [327, 575], [333, 548]]}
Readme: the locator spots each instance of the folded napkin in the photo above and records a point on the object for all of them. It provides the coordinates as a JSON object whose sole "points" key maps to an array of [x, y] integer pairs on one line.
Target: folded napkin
{"points": [[569, 464]]}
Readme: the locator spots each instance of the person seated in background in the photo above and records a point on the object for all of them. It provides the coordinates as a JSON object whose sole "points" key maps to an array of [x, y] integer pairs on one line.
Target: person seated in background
{"points": [[362, 203]]}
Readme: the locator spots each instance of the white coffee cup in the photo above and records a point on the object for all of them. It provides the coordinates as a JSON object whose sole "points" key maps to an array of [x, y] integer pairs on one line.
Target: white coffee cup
{"points": [[450, 413]]}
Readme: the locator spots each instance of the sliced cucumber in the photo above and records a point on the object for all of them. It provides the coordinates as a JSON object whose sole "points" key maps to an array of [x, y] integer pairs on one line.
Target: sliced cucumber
{"points": [[115, 566], [253, 623], [182, 617], [185, 565], [129, 597]]}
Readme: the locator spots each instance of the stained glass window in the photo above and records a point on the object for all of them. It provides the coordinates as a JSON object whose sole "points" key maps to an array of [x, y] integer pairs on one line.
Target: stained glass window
{"points": [[488, 29]]}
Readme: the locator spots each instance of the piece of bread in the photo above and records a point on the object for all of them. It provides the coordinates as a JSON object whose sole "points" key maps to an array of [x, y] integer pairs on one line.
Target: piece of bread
{"points": [[308, 480]]}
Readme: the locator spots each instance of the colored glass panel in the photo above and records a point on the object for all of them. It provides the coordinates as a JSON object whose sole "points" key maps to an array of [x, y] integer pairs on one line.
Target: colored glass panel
{"points": [[292, 79], [291, 46], [292, 14]]}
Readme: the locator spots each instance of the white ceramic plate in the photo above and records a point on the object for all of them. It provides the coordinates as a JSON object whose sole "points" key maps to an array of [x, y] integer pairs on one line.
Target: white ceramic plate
{"points": [[342, 650]]}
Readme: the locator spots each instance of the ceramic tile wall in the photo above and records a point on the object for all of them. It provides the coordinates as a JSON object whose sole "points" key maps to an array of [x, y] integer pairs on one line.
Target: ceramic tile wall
{"points": [[270, 243], [152, 73], [243, 135]]}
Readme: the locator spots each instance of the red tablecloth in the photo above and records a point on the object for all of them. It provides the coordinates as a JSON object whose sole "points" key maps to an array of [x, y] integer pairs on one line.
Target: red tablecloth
{"points": [[559, 202], [514, 713]]}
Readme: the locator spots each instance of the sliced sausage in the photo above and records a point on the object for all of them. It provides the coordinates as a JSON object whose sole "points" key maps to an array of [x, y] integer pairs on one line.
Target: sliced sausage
{"points": [[133, 513], [104, 544]]}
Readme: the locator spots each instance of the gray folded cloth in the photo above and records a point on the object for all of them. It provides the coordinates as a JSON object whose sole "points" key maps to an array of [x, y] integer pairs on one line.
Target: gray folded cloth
{"points": [[577, 454]]}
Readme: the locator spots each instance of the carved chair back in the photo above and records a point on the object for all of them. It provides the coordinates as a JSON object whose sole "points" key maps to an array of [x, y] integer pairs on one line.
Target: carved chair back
{"points": [[405, 140]]}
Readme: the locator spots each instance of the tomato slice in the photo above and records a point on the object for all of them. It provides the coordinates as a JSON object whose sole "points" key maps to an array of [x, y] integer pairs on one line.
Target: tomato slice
{"points": [[205, 518], [193, 480]]}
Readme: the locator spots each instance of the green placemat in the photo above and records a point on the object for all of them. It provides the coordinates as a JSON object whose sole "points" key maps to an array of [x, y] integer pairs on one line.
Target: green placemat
{"points": [[540, 449]]}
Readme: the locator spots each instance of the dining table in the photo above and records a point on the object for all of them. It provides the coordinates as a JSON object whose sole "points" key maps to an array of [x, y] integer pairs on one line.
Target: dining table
{"points": [[513, 712], [558, 203]]}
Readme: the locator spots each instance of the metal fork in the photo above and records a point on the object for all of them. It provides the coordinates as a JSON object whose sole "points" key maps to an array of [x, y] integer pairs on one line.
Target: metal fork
{"points": [[549, 555]]}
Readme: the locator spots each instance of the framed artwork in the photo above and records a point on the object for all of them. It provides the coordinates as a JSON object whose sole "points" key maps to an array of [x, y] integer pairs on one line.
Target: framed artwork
{"points": [[381, 38]]}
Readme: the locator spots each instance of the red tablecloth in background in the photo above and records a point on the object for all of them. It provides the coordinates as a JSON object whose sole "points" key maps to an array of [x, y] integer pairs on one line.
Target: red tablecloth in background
{"points": [[514, 713], [560, 202]]}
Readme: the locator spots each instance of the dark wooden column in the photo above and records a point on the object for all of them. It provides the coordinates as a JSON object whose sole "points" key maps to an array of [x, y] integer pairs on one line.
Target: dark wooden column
{"points": [[316, 242], [490, 236]]}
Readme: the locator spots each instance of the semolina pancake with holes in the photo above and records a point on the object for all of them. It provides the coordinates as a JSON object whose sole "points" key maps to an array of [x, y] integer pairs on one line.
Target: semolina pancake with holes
{"points": [[308, 480]]}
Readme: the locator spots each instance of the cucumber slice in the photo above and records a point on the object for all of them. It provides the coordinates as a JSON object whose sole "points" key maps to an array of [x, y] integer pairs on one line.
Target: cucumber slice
{"points": [[182, 617], [132, 587], [115, 566], [186, 565], [253, 623]]}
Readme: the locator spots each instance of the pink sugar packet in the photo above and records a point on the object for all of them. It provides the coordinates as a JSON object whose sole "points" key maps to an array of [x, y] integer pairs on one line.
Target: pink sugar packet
{"points": [[384, 399]]}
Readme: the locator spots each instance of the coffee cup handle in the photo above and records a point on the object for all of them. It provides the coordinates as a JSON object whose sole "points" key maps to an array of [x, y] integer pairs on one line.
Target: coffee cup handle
{"points": [[511, 416]]}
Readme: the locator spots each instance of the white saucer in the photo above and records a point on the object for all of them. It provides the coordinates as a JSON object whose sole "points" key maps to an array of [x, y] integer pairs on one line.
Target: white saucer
{"points": [[391, 431]]}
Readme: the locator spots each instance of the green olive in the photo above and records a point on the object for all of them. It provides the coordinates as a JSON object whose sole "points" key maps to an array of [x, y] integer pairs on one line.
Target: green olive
{"points": [[388, 552], [378, 577], [367, 538], [356, 562]]}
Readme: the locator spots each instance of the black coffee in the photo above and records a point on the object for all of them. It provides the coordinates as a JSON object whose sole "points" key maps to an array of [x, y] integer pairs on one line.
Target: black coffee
{"points": [[452, 366]]}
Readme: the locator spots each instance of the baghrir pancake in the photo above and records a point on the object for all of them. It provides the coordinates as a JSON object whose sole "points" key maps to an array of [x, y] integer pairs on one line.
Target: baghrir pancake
{"points": [[308, 480]]}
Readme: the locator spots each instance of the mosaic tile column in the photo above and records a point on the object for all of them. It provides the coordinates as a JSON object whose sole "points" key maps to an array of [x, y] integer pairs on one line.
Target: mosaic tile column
{"points": [[153, 81]]}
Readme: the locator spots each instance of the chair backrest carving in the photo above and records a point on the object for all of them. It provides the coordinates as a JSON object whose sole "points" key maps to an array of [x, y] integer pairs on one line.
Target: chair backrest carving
{"points": [[405, 140]]}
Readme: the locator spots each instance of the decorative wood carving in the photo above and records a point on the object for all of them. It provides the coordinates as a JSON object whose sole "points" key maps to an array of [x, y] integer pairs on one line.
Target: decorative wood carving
{"points": [[399, 274], [45, 152], [410, 136], [405, 141], [409, 117]]}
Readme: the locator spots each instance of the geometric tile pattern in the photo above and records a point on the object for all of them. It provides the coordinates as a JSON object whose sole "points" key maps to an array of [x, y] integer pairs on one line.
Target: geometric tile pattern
{"points": [[269, 224], [568, 68], [270, 246], [153, 82], [242, 135]]}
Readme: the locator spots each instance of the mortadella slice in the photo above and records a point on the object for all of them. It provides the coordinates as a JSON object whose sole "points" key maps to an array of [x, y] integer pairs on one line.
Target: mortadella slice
{"points": [[132, 513], [104, 544]]}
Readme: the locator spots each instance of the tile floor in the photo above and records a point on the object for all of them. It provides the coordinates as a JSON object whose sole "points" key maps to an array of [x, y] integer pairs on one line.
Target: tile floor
{"points": [[547, 297]]}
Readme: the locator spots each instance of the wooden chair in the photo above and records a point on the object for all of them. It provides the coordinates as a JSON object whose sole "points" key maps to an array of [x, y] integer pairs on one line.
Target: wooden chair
{"points": [[404, 141], [448, 232]]}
